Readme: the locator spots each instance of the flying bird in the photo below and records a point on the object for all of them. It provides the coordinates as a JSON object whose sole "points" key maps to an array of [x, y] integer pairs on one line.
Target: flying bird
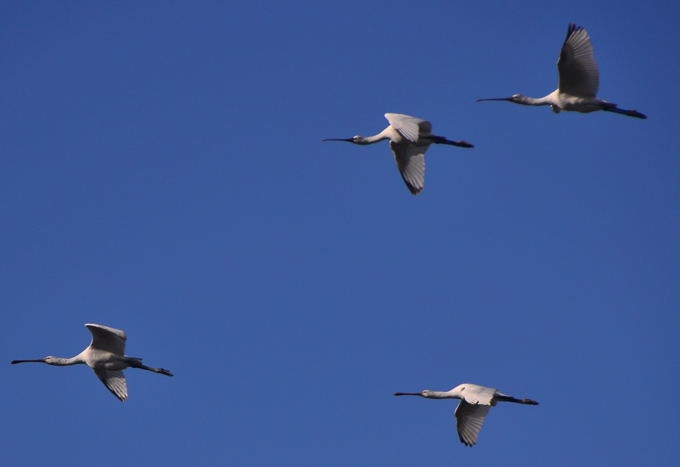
{"points": [[475, 402], [106, 356], [579, 80], [409, 138]]}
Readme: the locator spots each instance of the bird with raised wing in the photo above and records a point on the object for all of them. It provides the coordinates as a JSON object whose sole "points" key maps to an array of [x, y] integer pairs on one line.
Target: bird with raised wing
{"points": [[409, 138], [579, 80], [106, 356], [475, 402]]}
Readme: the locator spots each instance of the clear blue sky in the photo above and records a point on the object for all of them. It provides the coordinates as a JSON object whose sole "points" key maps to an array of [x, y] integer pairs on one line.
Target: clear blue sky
{"points": [[161, 171]]}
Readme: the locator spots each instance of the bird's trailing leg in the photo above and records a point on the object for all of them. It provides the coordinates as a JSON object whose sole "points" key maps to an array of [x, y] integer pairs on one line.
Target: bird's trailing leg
{"points": [[630, 113], [504, 398], [137, 363], [443, 140]]}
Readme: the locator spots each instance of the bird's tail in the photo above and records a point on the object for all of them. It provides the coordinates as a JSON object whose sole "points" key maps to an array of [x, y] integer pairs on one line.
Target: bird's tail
{"points": [[504, 398], [631, 113]]}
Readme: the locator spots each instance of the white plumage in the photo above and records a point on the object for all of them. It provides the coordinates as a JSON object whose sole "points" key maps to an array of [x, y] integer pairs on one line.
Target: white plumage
{"points": [[579, 80], [106, 356], [410, 137], [474, 405]]}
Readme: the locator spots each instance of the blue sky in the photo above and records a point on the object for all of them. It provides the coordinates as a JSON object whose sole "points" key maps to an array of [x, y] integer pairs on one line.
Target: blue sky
{"points": [[162, 172]]}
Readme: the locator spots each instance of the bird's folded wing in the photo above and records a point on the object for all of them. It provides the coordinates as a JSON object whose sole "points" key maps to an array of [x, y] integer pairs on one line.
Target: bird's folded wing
{"points": [[578, 71], [411, 164], [107, 338], [409, 127], [470, 419], [114, 380], [476, 394]]}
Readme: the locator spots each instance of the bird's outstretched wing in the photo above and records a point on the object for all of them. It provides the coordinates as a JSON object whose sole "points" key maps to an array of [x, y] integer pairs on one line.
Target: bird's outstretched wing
{"points": [[411, 164], [409, 127], [578, 71], [470, 419], [114, 380], [107, 338]]}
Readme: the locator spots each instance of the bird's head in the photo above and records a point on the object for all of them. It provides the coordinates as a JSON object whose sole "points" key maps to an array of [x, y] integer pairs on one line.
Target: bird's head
{"points": [[357, 139]]}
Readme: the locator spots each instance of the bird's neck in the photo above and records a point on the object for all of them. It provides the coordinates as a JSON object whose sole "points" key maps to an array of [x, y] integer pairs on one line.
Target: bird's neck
{"points": [[443, 395], [61, 361], [526, 100], [374, 139]]}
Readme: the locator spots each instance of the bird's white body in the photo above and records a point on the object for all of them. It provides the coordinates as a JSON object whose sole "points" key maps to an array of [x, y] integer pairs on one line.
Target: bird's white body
{"points": [[475, 402], [410, 137], [106, 356], [560, 101], [579, 80]]}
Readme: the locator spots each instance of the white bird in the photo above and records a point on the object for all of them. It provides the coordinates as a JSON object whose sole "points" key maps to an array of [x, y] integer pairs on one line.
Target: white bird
{"points": [[579, 80], [475, 401], [409, 139], [106, 356]]}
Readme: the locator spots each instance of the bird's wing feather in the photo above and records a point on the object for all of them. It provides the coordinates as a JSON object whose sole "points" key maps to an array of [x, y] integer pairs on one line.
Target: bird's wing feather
{"points": [[411, 164], [578, 71], [114, 380], [107, 338], [409, 127], [470, 419]]}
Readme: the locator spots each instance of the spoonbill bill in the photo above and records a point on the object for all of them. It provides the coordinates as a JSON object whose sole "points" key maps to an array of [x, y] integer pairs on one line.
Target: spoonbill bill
{"points": [[106, 356], [579, 80], [409, 138], [475, 402]]}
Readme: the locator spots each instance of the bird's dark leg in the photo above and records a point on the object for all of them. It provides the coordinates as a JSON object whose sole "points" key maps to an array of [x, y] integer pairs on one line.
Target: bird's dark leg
{"points": [[137, 363], [504, 398], [442, 140], [630, 113]]}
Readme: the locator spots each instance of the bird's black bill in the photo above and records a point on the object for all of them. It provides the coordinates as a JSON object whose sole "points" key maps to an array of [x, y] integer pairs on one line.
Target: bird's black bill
{"points": [[349, 140], [41, 360], [494, 99], [406, 393]]}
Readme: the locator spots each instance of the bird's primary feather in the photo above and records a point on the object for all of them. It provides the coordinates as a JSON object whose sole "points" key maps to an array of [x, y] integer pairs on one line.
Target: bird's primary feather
{"points": [[410, 161], [470, 419], [114, 380], [579, 75]]}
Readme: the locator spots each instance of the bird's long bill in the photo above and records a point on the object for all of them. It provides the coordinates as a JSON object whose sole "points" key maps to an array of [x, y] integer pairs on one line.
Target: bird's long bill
{"points": [[406, 393], [349, 140], [494, 99], [40, 360]]}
